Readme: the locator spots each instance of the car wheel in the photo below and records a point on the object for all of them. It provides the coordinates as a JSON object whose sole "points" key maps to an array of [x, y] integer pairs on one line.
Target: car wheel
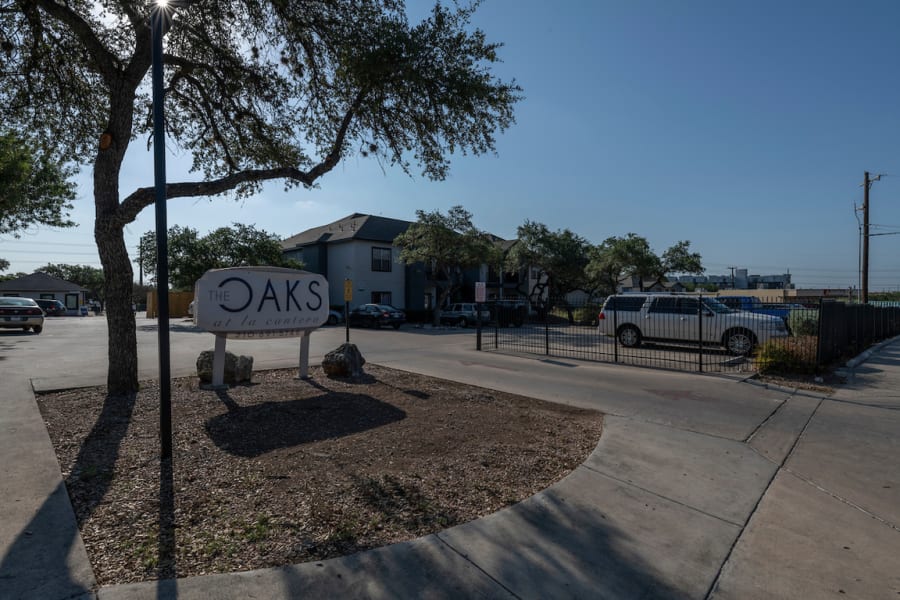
{"points": [[463, 322], [396, 326], [629, 336], [740, 342], [37, 328], [332, 320]]}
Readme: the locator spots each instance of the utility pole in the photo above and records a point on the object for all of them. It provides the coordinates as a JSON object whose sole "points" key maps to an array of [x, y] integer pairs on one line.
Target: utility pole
{"points": [[864, 292], [864, 284], [732, 276]]}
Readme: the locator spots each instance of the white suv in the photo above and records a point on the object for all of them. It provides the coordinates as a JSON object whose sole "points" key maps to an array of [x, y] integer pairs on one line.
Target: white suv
{"points": [[632, 318]]}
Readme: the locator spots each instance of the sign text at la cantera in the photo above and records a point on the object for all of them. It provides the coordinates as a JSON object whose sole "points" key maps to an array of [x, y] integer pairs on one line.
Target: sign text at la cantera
{"points": [[260, 302]]}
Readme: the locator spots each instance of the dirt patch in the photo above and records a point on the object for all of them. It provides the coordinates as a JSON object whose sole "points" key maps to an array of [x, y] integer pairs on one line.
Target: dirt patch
{"points": [[285, 471], [824, 383]]}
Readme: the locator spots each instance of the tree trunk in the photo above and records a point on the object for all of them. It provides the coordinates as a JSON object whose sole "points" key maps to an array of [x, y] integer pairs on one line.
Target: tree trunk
{"points": [[122, 374], [109, 227], [442, 297]]}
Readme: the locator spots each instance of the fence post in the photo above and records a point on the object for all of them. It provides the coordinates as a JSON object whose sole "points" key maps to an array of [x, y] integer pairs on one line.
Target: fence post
{"points": [[700, 334], [478, 330], [615, 313], [547, 332]]}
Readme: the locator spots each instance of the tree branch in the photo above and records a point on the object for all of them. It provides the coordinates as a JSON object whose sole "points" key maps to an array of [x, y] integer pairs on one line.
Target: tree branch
{"points": [[104, 60]]}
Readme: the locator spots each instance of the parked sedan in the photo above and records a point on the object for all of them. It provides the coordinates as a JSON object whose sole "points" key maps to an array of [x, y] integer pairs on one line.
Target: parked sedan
{"points": [[376, 315], [51, 308], [21, 313]]}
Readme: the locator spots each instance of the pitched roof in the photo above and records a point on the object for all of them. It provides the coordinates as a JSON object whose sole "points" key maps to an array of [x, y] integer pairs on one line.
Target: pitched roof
{"points": [[353, 227], [39, 282]]}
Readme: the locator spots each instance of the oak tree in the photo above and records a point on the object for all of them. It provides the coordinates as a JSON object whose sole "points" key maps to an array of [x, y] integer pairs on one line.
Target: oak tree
{"points": [[558, 257], [631, 255], [448, 245], [254, 91], [191, 255]]}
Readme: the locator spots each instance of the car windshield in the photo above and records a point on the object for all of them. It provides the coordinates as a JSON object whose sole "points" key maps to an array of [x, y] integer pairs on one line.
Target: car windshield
{"points": [[17, 302], [716, 306]]}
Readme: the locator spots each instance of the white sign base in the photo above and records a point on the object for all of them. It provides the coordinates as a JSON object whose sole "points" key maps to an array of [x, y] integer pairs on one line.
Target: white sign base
{"points": [[303, 367]]}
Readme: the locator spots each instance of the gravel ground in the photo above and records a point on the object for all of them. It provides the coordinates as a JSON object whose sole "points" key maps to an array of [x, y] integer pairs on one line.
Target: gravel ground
{"points": [[283, 471]]}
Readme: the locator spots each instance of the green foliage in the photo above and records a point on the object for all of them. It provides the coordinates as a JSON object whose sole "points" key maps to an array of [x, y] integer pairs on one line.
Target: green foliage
{"points": [[560, 255], [259, 85], [804, 321], [449, 244], [34, 191], [255, 91], [190, 255], [879, 296], [631, 255], [88, 277], [582, 315], [787, 355]]}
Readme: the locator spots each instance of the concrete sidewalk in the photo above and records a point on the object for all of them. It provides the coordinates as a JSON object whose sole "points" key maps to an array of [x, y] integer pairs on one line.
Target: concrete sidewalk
{"points": [[699, 487]]}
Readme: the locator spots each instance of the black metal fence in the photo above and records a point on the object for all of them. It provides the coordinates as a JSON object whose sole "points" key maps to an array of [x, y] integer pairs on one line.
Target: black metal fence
{"points": [[847, 329], [696, 332]]}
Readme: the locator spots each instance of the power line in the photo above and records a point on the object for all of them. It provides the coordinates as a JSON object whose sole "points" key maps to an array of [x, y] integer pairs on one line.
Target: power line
{"points": [[15, 241], [48, 252]]}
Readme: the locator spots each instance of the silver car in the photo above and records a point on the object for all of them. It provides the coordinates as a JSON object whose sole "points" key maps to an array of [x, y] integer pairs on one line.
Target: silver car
{"points": [[21, 313]]}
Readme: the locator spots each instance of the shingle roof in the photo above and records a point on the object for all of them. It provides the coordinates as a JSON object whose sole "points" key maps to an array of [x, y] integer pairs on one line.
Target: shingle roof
{"points": [[39, 282], [353, 227]]}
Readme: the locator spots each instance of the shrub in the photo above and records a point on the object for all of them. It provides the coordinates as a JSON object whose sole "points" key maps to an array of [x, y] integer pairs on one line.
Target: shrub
{"points": [[789, 355], [582, 315], [804, 322]]}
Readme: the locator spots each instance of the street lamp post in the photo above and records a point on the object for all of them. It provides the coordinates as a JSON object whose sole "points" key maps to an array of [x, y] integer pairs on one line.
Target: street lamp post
{"points": [[157, 15]]}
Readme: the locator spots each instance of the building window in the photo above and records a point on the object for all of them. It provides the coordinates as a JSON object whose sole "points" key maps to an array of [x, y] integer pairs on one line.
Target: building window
{"points": [[381, 259], [381, 298]]}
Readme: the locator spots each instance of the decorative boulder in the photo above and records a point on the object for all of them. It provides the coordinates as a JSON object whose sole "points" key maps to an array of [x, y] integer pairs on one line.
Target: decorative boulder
{"points": [[237, 368], [344, 361]]}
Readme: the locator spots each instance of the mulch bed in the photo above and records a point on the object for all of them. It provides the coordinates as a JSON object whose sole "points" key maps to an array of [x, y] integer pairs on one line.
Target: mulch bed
{"points": [[284, 471]]}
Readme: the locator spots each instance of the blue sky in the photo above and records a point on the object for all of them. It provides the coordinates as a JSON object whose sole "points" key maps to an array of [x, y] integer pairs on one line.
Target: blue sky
{"points": [[744, 127]]}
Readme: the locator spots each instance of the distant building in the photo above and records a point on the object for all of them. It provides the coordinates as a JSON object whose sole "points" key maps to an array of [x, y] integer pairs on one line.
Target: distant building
{"points": [[741, 281], [39, 285], [361, 248]]}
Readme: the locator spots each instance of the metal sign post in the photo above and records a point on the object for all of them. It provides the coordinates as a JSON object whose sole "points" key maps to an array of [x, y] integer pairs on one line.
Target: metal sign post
{"points": [[480, 294], [348, 296]]}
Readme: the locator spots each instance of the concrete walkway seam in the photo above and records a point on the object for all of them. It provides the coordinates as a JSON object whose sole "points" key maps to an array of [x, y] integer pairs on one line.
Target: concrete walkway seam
{"points": [[712, 587], [475, 565], [841, 499]]}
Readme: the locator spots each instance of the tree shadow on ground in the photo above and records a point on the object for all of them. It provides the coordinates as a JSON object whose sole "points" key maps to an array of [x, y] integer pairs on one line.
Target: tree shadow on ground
{"points": [[254, 430], [91, 473]]}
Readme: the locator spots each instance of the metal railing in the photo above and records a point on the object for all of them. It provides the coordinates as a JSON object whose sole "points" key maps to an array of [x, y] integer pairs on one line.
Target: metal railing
{"points": [[687, 335]]}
